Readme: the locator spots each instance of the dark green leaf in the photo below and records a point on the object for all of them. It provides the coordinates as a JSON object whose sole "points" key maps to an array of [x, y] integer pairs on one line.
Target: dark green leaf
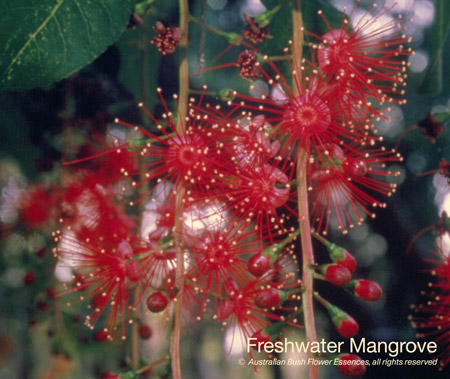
{"points": [[45, 41], [432, 83]]}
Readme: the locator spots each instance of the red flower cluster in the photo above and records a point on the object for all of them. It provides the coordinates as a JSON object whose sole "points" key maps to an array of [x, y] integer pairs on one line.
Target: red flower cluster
{"points": [[431, 317], [330, 111], [235, 167]]}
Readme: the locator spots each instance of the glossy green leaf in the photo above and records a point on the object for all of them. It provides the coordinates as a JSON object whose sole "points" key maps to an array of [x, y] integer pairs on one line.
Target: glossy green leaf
{"points": [[45, 41], [433, 81]]}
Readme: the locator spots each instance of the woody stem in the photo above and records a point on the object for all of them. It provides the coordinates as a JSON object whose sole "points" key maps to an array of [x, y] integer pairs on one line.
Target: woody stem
{"points": [[303, 208], [180, 192], [307, 256]]}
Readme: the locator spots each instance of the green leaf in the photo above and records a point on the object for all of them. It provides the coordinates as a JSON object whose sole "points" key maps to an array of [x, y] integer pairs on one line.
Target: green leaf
{"points": [[433, 81], [47, 40]]}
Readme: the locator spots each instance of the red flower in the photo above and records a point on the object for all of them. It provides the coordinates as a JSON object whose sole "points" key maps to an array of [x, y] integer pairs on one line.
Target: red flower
{"points": [[246, 304], [367, 60], [192, 157], [92, 211], [108, 275], [37, 206], [344, 185], [109, 159], [218, 257], [431, 318], [255, 193]]}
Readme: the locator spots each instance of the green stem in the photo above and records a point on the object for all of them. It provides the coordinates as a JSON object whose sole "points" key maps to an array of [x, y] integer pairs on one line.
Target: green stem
{"points": [[303, 208], [229, 36], [180, 192]]}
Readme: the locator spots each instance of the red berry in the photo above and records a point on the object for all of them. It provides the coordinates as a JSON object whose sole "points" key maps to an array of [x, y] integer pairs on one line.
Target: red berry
{"points": [[336, 274], [145, 332], [269, 298], [157, 302], [351, 365], [258, 264], [367, 289]]}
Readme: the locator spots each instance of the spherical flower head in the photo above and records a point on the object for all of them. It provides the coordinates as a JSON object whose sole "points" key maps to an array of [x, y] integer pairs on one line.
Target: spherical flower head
{"points": [[255, 193], [334, 53], [306, 116], [108, 275], [264, 188], [366, 60], [346, 183], [250, 143], [185, 155], [218, 260]]}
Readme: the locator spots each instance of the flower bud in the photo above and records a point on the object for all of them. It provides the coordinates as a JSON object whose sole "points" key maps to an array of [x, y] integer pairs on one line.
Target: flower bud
{"points": [[268, 334], [259, 264], [336, 274], [342, 257], [270, 297], [227, 94], [351, 365], [345, 324], [145, 332], [365, 289], [157, 302]]}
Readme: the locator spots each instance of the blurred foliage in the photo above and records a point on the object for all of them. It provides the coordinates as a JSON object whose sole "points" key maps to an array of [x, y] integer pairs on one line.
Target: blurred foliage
{"points": [[48, 40]]}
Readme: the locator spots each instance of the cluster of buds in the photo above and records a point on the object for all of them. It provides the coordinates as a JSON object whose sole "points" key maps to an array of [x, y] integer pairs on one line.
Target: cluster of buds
{"points": [[167, 38]]}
